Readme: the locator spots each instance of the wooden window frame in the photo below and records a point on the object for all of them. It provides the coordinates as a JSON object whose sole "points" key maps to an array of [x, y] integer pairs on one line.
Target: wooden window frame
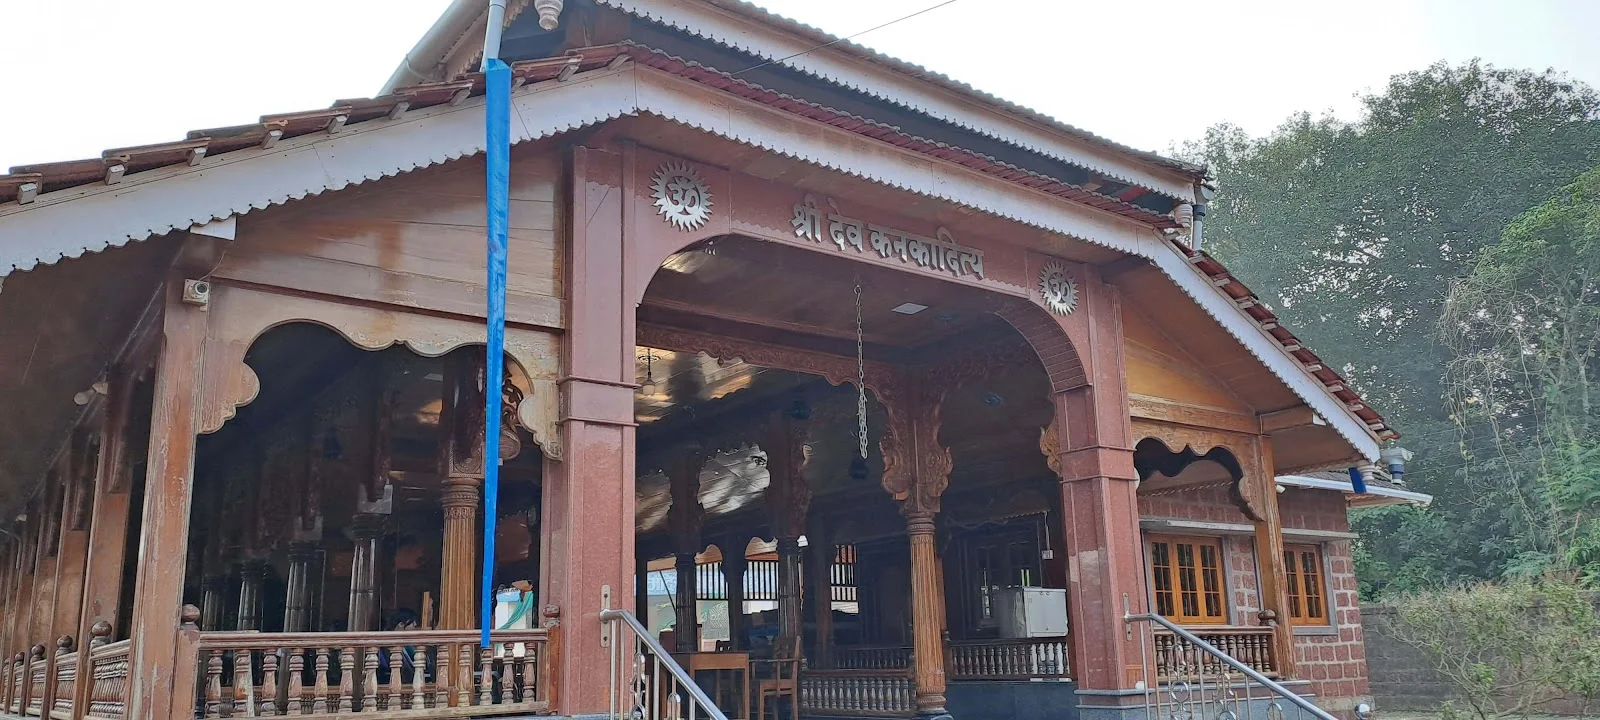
{"points": [[1165, 576], [1306, 585]]}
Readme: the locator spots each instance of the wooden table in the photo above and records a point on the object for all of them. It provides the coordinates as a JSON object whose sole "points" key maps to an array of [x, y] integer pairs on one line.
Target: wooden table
{"points": [[721, 663]]}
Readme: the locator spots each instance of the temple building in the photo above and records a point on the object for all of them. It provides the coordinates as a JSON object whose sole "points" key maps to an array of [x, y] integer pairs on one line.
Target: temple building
{"points": [[833, 389]]}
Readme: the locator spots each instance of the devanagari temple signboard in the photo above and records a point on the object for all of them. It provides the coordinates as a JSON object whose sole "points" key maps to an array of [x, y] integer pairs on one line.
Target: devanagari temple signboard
{"points": [[939, 253]]}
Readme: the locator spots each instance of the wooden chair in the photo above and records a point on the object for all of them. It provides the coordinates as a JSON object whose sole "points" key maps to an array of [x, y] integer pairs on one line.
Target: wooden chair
{"points": [[781, 680]]}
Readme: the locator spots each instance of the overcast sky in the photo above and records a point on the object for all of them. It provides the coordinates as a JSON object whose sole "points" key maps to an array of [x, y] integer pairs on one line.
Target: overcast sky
{"points": [[88, 75]]}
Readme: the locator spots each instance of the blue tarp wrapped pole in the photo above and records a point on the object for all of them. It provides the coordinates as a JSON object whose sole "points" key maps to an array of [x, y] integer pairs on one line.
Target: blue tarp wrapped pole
{"points": [[497, 130], [1357, 482]]}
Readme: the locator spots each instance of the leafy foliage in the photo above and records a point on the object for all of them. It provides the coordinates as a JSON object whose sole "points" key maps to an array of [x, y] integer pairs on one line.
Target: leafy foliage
{"points": [[1357, 232], [1507, 647], [1524, 381]]}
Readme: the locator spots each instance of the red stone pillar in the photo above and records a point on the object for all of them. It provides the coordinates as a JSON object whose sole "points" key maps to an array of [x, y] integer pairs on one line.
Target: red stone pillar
{"points": [[588, 507], [1089, 444]]}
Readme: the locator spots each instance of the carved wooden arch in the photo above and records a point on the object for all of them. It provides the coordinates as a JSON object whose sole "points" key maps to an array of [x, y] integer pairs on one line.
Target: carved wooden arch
{"points": [[239, 316], [1236, 453]]}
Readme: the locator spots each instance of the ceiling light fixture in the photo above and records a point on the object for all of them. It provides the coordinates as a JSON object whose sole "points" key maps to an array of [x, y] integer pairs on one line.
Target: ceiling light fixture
{"points": [[910, 308]]}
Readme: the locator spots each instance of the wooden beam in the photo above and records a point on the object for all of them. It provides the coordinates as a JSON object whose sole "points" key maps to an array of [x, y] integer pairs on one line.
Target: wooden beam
{"points": [[1295, 417]]}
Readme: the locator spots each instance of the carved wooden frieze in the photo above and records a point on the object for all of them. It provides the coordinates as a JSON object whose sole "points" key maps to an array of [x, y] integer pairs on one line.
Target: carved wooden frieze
{"points": [[836, 369], [1239, 454], [238, 316]]}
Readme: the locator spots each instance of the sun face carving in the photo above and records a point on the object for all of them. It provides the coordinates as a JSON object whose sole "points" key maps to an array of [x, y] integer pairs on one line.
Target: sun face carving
{"points": [[1059, 291], [681, 195]]}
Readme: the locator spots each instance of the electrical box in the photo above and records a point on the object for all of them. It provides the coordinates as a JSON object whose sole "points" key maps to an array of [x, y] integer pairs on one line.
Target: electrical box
{"points": [[1030, 612]]}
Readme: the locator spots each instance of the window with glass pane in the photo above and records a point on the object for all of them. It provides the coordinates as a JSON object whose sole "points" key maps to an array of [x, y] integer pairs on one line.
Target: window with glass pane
{"points": [[1186, 579], [1302, 566]]}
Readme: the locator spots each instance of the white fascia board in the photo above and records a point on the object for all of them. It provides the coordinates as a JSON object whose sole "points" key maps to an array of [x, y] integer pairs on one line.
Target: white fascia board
{"points": [[90, 218], [918, 95], [1376, 490]]}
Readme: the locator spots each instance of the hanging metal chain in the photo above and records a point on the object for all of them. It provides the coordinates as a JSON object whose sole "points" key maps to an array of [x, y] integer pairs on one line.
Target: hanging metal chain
{"points": [[861, 379]]}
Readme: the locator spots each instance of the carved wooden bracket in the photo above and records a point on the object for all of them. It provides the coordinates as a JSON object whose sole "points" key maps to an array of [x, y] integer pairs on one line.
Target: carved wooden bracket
{"points": [[916, 468]]}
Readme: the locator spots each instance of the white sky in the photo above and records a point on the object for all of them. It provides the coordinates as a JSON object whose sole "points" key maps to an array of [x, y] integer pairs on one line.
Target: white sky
{"points": [[87, 75]]}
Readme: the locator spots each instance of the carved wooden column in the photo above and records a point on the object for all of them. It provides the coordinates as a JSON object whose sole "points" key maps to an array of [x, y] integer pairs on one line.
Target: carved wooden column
{"points": [[789, 499], [121, 432], [42, 611], [1259, 490], [461, 421], [297, 600], [169, 482], [214, 594], [819, 585], [685, 518], [251, 575], [733, 567], [916, 471], [74, 542], [366, 530], [8, 579]]}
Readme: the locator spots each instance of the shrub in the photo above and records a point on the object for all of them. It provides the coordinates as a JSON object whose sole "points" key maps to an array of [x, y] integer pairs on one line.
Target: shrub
{"points": [[1508, 647]]}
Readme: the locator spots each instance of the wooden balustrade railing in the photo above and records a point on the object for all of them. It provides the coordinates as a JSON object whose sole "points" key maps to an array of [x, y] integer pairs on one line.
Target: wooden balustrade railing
{"points": [[38, 676], [17, 683], [1019, 659], [871, 657], [858, 693], [1179, 661], [63, 681], [387, 674], [1022, 659], [106, 675]]}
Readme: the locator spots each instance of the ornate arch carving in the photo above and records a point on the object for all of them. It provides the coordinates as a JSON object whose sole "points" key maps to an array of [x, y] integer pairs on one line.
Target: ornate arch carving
{"points": [[1192, 444], [239, 316]]}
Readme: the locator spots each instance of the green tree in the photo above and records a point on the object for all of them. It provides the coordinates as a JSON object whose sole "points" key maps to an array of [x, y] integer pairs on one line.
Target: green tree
{"points": [[1524, 380], [1354, 231]]}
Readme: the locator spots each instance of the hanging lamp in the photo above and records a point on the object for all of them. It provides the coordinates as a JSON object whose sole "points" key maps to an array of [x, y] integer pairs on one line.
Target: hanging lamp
{"points": [[858, 464]]}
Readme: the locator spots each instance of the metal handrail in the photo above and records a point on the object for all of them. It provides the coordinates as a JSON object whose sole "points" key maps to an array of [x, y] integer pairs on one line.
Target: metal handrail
{"points": [[1228, 660], [664, 659]]}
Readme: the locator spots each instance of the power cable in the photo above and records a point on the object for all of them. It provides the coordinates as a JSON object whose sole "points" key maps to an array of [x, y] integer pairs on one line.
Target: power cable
{"points": [[836, 41]]}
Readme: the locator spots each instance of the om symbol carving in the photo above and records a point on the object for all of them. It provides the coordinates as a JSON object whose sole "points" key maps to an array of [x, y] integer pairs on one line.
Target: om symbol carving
{"points": [[681, 195]]}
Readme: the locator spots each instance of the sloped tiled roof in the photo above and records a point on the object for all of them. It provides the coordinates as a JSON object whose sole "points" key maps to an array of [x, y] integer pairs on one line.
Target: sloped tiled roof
{"points": [[26, 183]]}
